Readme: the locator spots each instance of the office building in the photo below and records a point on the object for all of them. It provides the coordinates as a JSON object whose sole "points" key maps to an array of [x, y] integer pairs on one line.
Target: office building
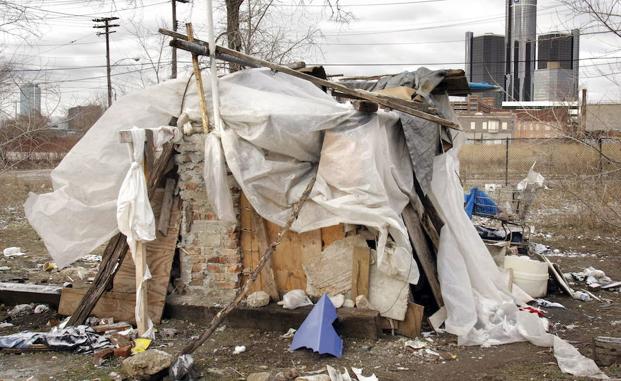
{"points": [[485, 56], [557, 74], [520, 44], [29, 100]]}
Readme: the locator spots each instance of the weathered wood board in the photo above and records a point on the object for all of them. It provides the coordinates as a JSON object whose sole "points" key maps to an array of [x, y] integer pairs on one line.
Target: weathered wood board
{"points": [[160, 253]]}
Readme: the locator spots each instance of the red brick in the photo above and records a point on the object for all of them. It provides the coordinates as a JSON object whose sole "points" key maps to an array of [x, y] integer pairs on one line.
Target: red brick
{"points": [[123, 351]]}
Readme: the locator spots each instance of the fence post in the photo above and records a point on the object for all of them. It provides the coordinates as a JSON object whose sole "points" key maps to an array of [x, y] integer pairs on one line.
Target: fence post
{"points": [[600, 164], [506, 161]]}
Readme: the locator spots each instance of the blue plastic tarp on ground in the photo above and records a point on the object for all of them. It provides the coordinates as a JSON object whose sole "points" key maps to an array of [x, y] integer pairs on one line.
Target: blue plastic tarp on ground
{"points": [[479, 203]]}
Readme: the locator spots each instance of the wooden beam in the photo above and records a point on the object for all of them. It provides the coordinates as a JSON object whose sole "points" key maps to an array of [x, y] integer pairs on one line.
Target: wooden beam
{"points": [[421, 250], [199, 81], [201, 48]]}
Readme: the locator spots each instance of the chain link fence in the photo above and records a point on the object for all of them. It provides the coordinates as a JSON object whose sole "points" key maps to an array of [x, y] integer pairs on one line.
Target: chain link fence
{"points": [[508, 160]]}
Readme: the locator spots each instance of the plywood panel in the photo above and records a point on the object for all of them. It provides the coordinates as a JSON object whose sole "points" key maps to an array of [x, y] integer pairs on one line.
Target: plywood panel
{"points": [[254, 242], [119, 305], [332, 233], [160, 254]]}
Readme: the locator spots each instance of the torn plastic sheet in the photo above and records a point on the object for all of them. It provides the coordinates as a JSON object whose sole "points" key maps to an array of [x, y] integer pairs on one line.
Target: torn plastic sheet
{"points": [[80, 339], [216, 179], [280, 132], [80, 214], [480, 308]]}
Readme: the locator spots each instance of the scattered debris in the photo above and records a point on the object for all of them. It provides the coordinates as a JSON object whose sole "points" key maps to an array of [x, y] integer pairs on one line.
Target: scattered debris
{"points": [[147, 363], [11, 252], [5, 325], [239, 349], [358, 373], [262, 376], [21, 310], [289, 333], [167, 333], [547, 304], [337, 300], [41, 308], [348, 303], [4, 268], [80, 339], [295, 299], [49, 266], [141, 344], [416, 344], [258, 299]]}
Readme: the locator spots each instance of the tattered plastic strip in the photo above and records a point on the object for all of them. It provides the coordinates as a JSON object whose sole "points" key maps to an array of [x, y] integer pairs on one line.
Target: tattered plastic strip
{"points": [[134, 215]]}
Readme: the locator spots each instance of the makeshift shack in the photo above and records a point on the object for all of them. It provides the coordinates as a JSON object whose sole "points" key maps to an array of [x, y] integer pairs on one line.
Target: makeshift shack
{"points": [[384, 219]]}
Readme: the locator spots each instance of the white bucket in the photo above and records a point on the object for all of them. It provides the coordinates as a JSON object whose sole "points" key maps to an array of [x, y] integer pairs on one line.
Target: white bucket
{"points": [[530, 275]]}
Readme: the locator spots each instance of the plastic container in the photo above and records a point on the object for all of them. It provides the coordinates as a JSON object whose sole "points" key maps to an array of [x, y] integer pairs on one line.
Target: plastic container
{"points": [[530, 275]]}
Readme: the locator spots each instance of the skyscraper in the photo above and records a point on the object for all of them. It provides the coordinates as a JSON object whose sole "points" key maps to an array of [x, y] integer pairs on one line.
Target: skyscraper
{"points": [[29, 100], [557, 74], [485, 58], [520, 41]]}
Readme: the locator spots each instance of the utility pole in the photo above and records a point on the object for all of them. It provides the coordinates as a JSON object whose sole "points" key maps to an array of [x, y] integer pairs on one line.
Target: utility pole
{"points": [[173, 73], [106, 25]]}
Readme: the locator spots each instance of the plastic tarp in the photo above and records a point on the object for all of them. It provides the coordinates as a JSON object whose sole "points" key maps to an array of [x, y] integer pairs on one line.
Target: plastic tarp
{"points": [[280, 132], [479, 203], [481, 309], [80, 214]]}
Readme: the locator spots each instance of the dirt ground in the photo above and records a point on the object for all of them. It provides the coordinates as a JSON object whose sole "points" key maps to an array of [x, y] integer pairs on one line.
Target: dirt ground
{"points": [[387, 357]]}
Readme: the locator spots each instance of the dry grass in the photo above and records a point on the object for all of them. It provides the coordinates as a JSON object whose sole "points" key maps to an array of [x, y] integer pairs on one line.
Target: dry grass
{"points": [[554, 160]]}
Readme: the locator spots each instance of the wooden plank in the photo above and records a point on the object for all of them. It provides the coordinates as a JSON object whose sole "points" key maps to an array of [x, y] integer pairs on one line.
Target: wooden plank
{"points": [[149, 153], [201, 48], [164, 217], [160, 254], [119, 305], [360, 272], [260, 241], [254, 241], [289, 257], [332, 233], [412, 324], [421, 251]]}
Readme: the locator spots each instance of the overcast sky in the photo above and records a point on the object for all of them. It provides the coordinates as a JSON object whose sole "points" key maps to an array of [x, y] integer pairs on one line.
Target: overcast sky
{"points": [[384, 36]]}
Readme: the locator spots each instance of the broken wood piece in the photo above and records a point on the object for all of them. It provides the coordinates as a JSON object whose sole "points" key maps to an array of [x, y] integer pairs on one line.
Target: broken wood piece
{"points": [[120, 326], [360, 272], [422, 252], [164, 218], [365, 106], [607, 350], [412, 324], [199, 82], [202, 48], [117, 304]]}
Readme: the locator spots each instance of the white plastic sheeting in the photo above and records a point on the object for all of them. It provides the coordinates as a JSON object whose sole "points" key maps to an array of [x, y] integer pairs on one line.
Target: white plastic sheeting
{"points": [[281, 131], [481, 309], [135, 217], [80, 214]]}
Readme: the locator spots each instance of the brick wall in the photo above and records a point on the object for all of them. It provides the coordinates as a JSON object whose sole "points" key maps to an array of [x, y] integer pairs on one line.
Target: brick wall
{"points": [[210, 255]]}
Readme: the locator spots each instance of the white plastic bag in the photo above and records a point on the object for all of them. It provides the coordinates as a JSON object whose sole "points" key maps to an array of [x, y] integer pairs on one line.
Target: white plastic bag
{"points": [[295, 299]]}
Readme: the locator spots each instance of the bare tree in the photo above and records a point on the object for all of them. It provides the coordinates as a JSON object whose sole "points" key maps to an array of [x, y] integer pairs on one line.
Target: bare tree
{"points": [[154, 50], [16, 19], [602, 15]]}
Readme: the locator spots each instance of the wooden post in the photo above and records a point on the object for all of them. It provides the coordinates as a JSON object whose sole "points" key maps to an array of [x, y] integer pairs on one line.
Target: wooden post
{"points": [[140, 262], [199, 82], [506, 161]]}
